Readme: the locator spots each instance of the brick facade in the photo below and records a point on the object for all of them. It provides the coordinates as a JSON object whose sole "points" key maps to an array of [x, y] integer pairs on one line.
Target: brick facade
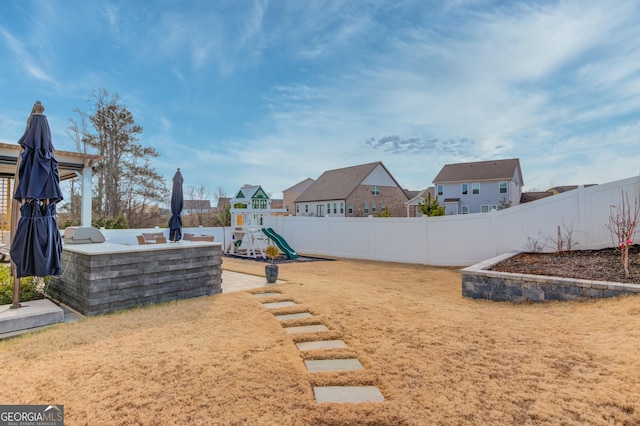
{"points": [[392, 196]]}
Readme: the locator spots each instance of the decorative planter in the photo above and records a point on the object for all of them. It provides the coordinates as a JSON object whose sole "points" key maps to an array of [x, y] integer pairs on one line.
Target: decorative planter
{"points": [[271, 272]]}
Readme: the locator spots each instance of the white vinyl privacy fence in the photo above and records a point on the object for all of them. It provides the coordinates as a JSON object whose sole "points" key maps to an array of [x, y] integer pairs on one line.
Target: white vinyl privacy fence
{"points": [[449, 240], [464, 239]]}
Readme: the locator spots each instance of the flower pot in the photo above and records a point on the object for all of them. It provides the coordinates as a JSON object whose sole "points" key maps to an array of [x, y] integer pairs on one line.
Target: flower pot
{"points": [[271, 272]]}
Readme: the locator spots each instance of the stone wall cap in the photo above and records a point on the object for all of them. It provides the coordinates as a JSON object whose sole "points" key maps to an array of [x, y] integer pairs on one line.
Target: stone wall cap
{"points": [[109, 248]]}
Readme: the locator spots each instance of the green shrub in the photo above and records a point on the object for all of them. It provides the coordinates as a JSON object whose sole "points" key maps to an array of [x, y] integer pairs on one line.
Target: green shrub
{"points": [[31, 288]]}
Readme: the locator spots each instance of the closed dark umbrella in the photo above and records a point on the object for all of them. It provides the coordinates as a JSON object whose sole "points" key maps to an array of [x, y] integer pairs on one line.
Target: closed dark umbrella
{"points": [[36, 245], [177, 204]]}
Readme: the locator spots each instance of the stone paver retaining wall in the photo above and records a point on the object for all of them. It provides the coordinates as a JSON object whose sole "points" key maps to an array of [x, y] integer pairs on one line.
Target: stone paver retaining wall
{"points": [[480, 283], [97, 282]]}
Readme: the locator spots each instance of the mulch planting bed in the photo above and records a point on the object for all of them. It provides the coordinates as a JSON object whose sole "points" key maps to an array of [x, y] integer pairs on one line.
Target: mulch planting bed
{"points": [[597, 265]]}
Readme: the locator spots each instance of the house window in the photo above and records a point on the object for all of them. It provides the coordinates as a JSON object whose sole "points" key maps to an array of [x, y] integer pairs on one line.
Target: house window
{"points": [[465, 210], [335, 208], [373, 207], [306, 208], [475, 188], [383, 207], [328, 208], [464, 188], [375, 190], [287, 208], [366, 207], [341, 208], [488, 207], [502, 187], [297, 208], [350, 208], [440, 189]]}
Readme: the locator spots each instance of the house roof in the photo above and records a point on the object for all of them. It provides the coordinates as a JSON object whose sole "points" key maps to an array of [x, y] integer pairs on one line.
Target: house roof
{"points": [[536, 195], [527, 197], [421, 196], [565, 188], [410, 193], [300, 186], [223, 201], [338, 184], [480, 171], [197, 204], [249, 192]]}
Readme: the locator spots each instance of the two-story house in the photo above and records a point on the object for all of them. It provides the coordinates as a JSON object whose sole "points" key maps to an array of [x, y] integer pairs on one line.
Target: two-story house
{"points": [[290, 194], [480, 186], [356, 191]]}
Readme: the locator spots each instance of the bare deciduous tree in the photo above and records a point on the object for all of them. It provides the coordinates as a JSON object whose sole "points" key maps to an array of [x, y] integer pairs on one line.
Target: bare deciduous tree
{"points": [[199, 194], [623, 220]]}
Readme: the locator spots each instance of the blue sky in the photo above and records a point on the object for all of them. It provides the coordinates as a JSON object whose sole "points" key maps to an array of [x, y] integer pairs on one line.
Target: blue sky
{"points": [[272, 92]]}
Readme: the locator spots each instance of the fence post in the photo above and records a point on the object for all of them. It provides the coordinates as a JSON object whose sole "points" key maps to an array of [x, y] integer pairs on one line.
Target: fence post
{"points": [[583, 217], [369, 236], [427, 242]]}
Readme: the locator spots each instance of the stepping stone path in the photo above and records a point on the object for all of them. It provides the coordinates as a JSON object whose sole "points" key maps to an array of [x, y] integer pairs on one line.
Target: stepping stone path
{"points": [[348, 364], [321, 344], [336, 394], [306, 329], [344, 394], [293, 316], [276, 305]]}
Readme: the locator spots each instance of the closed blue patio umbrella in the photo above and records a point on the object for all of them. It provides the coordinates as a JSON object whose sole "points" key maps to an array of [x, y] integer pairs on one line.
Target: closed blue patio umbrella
{"points": [[177, 204], [36, 245]]}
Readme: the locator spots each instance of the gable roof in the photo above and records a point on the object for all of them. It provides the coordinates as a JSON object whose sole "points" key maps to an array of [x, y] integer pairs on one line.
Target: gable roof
{"points": [[480, 171], [300, 186], [338, 184], [249, 192], [421, 196]]}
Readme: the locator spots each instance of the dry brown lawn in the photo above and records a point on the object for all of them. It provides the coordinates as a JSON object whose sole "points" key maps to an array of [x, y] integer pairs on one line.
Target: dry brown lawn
{"points": [[436, 357]]}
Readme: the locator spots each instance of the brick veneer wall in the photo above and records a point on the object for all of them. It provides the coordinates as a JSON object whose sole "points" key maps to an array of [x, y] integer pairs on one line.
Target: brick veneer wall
{"points": [[480, 283], [392, 196], [101, 283]]}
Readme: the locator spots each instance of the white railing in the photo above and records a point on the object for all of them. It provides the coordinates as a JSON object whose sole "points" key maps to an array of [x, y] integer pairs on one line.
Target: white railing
{"points": [[449, 240]]}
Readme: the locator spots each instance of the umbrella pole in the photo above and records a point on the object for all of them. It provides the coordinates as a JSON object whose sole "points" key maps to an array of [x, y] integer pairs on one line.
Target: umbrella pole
{"points": [[15, 212]]}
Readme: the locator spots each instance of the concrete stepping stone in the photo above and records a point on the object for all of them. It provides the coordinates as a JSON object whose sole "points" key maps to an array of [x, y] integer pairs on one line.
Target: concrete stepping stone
{"points": [[276, 305], [306, 329], [293, 316], [347, 394], [32, 314], [321, 344], [317, 365], [269, 294]]}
